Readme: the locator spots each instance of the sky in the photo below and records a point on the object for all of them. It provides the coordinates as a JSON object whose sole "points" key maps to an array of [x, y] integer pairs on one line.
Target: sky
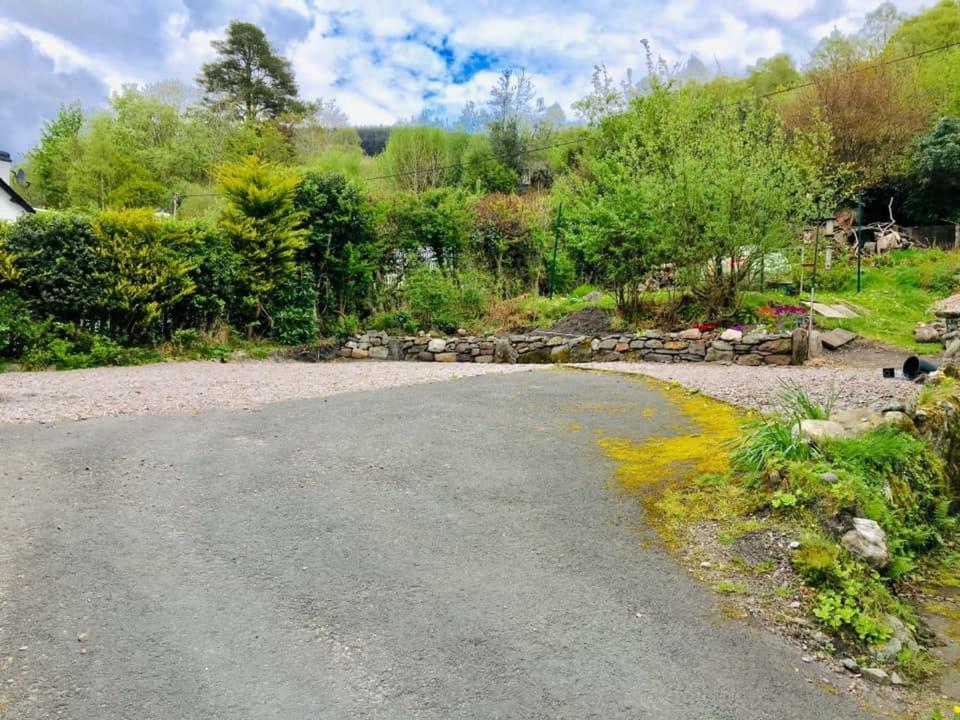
{"points": [[386, 61]]}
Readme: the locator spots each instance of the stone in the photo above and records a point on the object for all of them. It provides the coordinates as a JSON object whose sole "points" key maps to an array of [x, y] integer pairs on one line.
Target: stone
{"points": [[899, 420], [654, 344], [837, 338], [379, 352], [817, 430], [358, 354], [714, 355], [504, 352], [437, 345], [346, 352], [749, 360], [822, 639], [445, 357], [675, 345], [637, 344], [425, 357], [829, 478], [731, 336], [890, 650], [794, 545], [799, 346], [609, 344], [924, 333], [621, 347], [777, 360], [876, 675], [754, 338], [691, 334], [858, 420], [868, 541], [952, 351], [595, 345], [815, 344], [483, 359], [901, 632], [658, 358], [850, 665], [592, 296], [896, 679], [555, 340], [781, 345], [461, 332]]}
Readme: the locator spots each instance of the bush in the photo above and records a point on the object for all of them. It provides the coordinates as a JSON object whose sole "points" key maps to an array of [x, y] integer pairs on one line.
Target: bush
{"points": [[293, 310], [394, 321], [432, 298]]}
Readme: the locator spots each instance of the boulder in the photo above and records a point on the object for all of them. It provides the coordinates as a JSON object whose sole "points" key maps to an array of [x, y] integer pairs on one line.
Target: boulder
{"points": [[445, 357], [379, 352], [952, 352], [691, 334], [749, 360], [504, 352], [731, 336], [868, 541], [836, 339], [721, 344], [924, 333], [875, 675], [780, 345], [815, 344], [358, 354], [714, 355], [817, 430], [437, 345], [858, 420]]}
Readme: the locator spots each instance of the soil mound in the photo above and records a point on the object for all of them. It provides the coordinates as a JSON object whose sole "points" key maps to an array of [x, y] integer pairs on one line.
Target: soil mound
{"points": [[589, 321]]}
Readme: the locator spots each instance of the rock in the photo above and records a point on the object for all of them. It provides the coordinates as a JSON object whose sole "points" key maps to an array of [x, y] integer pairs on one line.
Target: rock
{"points": [[731, 336], [896, 679], [807, 658], [608, 344], [359, 354], [621, 347], [924, 333], [437, 345], [691, 334], [595, 344], [461, 332], [818, 430], [867, 540], [706, 564], [753, 338], [380, 352], [592, 296], [676, 345], [815, 344], [504, 352], [899, 420], [781, 345], [890, 650], [876, 675], [952, 351], [721, 345], [425, 357], [749, 360], [794, 545], [901, 632], [836, 339], [850, 665], [830, 478], [779, 360], [858, 420], [445, 357], [722, 356], [799, 346], [483, 359]]}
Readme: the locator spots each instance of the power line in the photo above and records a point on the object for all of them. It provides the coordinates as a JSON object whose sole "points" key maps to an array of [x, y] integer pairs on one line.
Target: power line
{"points": [[763, 96]]}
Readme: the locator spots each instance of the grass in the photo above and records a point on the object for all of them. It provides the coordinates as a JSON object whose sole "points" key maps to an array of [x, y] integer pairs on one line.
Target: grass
{"points": [[538, 311], [898, 291]]}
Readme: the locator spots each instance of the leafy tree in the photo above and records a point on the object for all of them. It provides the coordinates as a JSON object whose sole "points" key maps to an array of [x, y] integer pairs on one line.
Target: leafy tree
{"points": [[508, 242], [416, 157], [434, 225], [934, 187], [49, 163], [141, 274], [939, 73], [483, 173], [774, 74], [250, 80], [512, 117], [604, 99], [342, 250], [264, 228], [880, 25]]}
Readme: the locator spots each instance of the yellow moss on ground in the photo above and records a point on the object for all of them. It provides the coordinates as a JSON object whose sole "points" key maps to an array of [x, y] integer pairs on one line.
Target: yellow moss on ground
{"points": [[660, 470]]}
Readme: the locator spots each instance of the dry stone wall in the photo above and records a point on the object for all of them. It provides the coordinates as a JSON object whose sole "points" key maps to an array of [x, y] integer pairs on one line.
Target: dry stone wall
{"points": [[730, 346]]}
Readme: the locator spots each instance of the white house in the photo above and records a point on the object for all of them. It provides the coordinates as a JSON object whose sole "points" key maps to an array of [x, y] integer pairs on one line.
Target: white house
{"points": [[12, 205]]}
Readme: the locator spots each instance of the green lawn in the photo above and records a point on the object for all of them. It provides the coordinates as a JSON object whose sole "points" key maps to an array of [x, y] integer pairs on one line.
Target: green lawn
{"points": [[897, 292]]}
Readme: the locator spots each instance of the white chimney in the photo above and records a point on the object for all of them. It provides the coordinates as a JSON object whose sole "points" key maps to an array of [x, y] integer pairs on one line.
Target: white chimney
{"points": [[6, 167]]}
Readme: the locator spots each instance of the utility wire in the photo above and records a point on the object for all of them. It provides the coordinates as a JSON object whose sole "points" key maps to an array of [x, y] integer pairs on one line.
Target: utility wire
{"points": [[763, 96]]}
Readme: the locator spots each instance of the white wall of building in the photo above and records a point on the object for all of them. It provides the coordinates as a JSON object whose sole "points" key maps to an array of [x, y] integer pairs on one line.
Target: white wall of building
{"points": [[9, 210]]}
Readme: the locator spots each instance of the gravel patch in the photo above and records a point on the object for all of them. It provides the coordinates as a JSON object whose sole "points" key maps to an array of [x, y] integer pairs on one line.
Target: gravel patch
{"points": [[761, 387], [191, 387]]}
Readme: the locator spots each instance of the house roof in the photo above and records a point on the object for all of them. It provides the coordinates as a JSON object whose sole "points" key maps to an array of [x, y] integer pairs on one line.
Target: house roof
{"points": [[15, 196]]}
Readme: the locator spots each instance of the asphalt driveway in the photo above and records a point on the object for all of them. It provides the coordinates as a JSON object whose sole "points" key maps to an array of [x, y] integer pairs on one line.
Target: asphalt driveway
{"points": [[444, 551]]}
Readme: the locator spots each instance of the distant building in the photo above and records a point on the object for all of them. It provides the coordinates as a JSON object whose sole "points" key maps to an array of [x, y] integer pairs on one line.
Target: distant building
{"points": [[12, 205]]}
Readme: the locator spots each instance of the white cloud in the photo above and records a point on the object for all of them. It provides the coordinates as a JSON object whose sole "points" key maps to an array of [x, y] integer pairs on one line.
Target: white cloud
{"points": [[738, 42], [783, 9]]}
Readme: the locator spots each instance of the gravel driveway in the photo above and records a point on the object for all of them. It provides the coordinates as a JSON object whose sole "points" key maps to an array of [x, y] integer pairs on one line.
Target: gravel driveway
{"points": [[445, 552], [190, 387]]}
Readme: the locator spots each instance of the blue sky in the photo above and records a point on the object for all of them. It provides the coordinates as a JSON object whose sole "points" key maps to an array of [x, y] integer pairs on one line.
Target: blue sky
{"points": [[380, 60]]}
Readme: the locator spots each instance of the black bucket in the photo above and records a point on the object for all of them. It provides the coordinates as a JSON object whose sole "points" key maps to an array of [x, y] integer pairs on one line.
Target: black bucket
{"points": [[914, 366]]}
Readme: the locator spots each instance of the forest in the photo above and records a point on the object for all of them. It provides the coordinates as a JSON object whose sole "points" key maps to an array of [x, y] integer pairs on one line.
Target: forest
{"points": [[237, 211]]}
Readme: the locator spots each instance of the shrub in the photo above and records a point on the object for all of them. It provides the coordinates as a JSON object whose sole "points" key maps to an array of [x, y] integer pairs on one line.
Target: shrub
{"points": [[432, 298], [394, 321], [292, 308]]}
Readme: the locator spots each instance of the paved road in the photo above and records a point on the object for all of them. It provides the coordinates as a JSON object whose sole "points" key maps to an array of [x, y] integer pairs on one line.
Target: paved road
{"points": [[444, 551]]}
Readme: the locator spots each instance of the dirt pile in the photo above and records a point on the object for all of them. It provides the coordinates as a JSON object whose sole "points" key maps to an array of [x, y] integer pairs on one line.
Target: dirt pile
{"points": [[590, 322]]}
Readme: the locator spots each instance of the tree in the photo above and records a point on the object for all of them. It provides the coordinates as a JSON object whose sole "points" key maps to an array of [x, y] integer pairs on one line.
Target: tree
{"points": [[249, 79], [415, 157], [342, 250], [483, 173], [512, 113], [774, 74], [880, 25], [939, 73], [508, 243], [263, 226], [49, 163], [141, 274], [837, 50], [934, 186]]}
